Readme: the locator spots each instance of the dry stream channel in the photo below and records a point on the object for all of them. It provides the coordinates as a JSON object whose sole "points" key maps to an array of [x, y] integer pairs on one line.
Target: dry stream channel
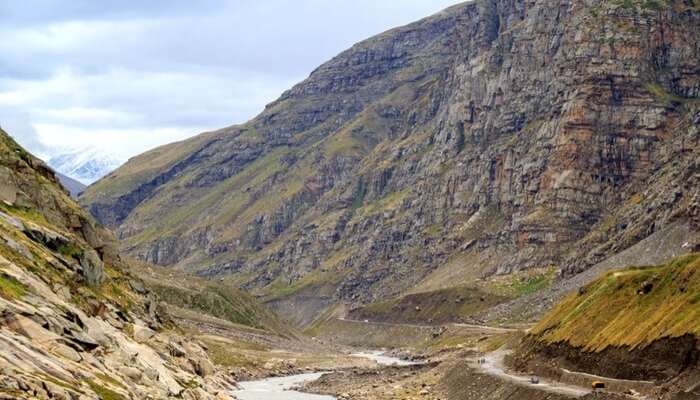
{"points": [[280, 388]]}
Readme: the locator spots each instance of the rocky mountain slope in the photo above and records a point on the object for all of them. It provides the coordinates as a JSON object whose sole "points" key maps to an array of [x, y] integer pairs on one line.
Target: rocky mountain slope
{"points": [[74, 323], [74, 187], [493, 137]]}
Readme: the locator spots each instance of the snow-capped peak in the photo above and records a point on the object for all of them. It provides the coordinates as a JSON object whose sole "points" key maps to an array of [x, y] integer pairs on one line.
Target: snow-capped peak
{"points": [[84, 165]]}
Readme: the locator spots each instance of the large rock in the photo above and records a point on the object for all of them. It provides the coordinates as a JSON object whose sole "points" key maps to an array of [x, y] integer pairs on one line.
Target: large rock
{"points": [[92, 268]]}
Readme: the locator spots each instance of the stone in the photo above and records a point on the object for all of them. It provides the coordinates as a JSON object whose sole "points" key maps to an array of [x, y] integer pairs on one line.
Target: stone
{"points": [[92, 267], [132, 373], [142, 333], [202, 366], [66, 352], [176, 350]]}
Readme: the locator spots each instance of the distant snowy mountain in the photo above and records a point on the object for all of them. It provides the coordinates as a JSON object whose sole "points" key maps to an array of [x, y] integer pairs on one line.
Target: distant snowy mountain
{"points": [[85, 165]]}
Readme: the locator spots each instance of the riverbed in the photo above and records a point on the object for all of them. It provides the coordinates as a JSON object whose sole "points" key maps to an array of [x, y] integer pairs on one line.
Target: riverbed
{"points": [[280, 388]]}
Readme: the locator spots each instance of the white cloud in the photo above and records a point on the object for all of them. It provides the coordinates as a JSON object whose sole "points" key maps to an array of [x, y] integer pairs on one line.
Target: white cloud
{"points": [[128, 76], [119, 143]]}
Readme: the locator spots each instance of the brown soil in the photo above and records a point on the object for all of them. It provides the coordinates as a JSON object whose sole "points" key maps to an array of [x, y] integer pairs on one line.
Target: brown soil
{"points": [[460, 382], [659, 361]]}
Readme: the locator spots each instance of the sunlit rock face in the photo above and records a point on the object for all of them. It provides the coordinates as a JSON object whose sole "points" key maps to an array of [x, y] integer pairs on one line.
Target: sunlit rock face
{"points": [[74, 322]]}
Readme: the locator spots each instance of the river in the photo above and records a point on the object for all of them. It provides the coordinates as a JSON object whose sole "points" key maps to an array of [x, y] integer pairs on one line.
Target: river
{"points": [[279, 388]]}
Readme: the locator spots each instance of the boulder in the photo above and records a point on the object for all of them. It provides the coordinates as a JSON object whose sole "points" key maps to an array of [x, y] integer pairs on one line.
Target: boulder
{"points": [[92, 268], [176, 350], [142, 333], [132, 373], [202, 366]]}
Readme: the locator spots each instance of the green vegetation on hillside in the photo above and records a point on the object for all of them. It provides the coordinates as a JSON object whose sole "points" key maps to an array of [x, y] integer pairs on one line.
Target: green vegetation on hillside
{"points": [[444, 305], [220, 300], [631, 307], [10, 288]]}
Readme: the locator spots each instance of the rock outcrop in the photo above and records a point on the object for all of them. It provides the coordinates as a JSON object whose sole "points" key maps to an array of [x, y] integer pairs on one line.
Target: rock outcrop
{"points": [[492, 137], [71, 324]]}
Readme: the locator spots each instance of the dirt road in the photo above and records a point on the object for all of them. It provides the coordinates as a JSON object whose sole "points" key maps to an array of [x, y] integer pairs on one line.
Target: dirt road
{"points": [[492, 364]]}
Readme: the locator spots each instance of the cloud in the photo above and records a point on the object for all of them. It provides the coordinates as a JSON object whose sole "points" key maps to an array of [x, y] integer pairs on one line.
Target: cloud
{"points": [[134, 75]]}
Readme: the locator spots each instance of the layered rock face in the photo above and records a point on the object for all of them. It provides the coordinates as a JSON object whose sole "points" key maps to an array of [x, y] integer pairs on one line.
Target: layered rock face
{"points": [[73, 323], [492, 137]]}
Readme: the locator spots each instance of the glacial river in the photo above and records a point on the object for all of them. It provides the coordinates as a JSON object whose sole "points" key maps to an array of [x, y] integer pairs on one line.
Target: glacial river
{"points": [[279, 388]]}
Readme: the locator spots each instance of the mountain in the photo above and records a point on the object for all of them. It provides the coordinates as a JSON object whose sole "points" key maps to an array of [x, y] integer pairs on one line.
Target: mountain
{"points": [[74, 187], [84, 165], [75, 323], [496, 137]]}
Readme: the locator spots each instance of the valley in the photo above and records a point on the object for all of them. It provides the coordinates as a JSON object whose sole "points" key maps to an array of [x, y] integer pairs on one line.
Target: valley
{"points": [[498, 201]]}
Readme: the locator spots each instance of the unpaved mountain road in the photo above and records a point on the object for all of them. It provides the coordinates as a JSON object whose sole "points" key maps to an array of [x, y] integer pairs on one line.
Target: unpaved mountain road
{"points": [[493, 365]]}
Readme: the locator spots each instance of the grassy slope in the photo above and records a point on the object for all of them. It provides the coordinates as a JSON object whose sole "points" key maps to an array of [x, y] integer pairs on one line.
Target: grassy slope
{"points": [[610, 312], [446, 305], [215, 299], [142, 168]]}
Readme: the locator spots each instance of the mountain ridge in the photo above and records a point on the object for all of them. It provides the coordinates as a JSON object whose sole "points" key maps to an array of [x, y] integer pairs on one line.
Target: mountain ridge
{"points": [[493, 137], [74, 322]]}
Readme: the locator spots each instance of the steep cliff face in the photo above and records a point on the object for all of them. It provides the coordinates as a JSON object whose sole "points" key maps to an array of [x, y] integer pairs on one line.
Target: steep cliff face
{"points": [[492, 137], [74, 324]]}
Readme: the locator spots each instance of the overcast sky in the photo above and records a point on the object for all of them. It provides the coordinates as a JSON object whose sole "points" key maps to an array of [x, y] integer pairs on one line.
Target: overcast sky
{"points": [[126, 76]]}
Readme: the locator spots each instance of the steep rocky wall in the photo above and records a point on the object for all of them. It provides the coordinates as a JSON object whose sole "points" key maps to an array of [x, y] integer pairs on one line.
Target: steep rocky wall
{"points": [[506, 134]]}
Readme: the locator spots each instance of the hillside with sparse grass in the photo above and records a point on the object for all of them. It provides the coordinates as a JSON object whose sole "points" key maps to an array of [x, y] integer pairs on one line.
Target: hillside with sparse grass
{"points": [[489, 139], [75, 321], [638, 323], [632, 307]]}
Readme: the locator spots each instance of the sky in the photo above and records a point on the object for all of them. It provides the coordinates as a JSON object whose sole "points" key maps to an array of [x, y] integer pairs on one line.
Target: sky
{"points": [[126, 76]]}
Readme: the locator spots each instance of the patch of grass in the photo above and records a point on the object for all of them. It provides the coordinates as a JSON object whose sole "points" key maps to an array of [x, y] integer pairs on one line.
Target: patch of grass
{"points": [[103, 392], [612, 312], [390, 202], [433, 230], [110, 380], [225, 355], [57, 382], [531, 285], [527, 282], [662, 94], [70, 250], [11, 288], [189, 384], [493, 343], [26, 213], [452, 341]]}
